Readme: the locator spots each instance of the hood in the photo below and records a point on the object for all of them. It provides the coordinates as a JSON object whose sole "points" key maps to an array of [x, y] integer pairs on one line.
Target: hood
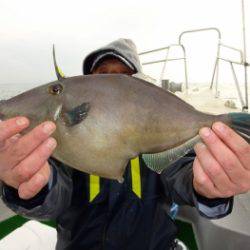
{"points": [[123, 49]]}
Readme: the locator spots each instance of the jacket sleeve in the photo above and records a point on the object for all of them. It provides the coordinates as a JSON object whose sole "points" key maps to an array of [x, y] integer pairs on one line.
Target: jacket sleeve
{"points": [[50, 202], [178, 187]]}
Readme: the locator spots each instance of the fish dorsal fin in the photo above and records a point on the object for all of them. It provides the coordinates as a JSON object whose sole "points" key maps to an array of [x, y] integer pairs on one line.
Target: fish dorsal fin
{"points": [[76, 115], [59, 72], [159, 161]]}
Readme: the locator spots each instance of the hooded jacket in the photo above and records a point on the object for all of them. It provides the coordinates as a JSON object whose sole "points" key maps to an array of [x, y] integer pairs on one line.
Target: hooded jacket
{"points": [[123, 49], [96, 213]]}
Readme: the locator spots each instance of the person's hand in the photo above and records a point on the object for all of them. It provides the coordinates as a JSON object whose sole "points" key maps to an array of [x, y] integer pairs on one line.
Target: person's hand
{"points": [[222, 164], [23, 159]]}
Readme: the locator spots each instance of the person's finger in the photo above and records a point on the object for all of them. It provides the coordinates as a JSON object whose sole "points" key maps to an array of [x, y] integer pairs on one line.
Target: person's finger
{"points": [[202, 183], [235, 142], [12, 127], [27, 143], [225, 157], [33, 186], [32, 164], [9, 142], [213, 169]]}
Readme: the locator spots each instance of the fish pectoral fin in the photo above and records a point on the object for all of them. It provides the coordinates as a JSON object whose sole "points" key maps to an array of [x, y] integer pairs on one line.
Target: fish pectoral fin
{"points": [[76, 115], [159, 161]]}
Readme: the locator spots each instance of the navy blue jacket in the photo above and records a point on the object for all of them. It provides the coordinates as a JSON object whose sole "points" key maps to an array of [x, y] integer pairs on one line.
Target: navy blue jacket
{"points": [[116, 218]]}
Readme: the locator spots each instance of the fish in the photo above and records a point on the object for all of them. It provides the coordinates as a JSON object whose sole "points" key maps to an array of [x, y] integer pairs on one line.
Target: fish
{"points": [[103, 121]]}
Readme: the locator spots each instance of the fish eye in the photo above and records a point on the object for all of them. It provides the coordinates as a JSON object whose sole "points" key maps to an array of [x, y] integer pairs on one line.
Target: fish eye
{"points": [[55, 89]]}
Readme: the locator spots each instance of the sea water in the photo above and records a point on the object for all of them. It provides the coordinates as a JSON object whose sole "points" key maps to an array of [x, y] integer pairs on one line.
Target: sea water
{"points": [[9, 90]]}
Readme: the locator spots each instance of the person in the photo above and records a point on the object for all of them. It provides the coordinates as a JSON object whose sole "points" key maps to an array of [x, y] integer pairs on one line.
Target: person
{"points": [[98, 213]]}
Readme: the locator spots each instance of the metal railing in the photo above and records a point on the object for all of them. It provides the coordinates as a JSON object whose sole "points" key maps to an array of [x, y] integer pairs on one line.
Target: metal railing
{"points": [[200, 30], [219, 58], [231, 62], [167, 59], [243, 59], [217, 31]]}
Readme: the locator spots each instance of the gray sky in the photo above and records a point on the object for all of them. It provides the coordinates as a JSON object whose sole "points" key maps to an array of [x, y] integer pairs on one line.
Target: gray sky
{"points": [[29, 28]]}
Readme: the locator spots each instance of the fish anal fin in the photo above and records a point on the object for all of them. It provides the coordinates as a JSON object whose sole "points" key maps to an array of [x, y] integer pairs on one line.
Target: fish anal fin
{"points": [[160, 161]]}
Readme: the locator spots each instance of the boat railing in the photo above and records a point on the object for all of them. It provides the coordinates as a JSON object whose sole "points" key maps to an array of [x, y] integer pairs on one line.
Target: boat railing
{"points": [[167, 59], [219, 57]]}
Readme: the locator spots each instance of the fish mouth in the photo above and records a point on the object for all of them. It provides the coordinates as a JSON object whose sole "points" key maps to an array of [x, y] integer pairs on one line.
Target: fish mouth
{"points": [[57, 112], [1, 114]]}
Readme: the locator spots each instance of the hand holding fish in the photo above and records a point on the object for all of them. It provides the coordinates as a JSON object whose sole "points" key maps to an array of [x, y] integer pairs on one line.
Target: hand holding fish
{"points": [[222, 166], [23, 159]]}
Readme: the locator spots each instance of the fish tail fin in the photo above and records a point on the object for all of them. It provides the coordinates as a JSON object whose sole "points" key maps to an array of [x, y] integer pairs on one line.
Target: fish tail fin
{"points": [[240, 122]]}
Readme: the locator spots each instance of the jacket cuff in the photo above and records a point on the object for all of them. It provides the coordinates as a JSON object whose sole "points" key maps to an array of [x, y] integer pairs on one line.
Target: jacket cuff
{"points": [[10, 195], [212, 208]]}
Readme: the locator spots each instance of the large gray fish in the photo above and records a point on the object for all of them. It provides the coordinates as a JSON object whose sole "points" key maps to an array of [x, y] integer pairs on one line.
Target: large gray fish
{"points": [[103, 121]]}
